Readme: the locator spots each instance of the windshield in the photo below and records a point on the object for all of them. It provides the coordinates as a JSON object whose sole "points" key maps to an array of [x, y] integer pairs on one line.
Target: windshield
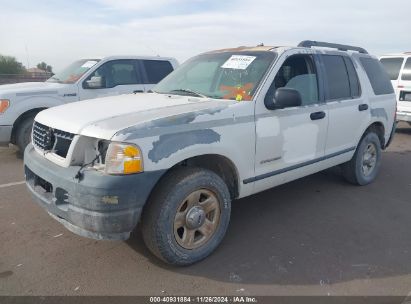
{"points": [[74, 71], [225, 75]]}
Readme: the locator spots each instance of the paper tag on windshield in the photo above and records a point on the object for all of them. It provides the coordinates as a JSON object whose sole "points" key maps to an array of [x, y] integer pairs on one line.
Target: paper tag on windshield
{"points": [[89, 64], [238, 62]]}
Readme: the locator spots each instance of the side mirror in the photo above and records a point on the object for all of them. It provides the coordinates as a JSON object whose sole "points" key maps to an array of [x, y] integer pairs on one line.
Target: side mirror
{"points": [[95, 82], [284, 98]]}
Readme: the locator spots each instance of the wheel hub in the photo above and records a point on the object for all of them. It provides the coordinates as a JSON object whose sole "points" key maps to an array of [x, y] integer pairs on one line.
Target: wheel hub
{"points": [[369, 159], [195, 218]]}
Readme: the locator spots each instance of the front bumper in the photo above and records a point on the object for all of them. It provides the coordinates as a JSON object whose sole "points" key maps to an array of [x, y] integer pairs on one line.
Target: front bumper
{"points": [[404, 116], [5, 135], [98, 206]]}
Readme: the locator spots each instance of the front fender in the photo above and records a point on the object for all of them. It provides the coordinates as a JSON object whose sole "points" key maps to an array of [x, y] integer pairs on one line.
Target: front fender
{"points": [[18, 108]]}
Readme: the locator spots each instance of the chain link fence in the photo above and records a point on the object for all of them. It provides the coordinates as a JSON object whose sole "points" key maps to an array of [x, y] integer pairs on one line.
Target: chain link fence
{"points": [[29, 77]]}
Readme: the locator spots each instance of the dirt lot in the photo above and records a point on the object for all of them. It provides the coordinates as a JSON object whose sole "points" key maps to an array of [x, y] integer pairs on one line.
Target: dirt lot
{"points": [[318, 235]]}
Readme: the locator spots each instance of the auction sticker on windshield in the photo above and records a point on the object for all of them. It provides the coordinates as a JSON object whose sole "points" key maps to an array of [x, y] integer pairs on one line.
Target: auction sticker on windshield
{"points": [[89, 64], [238, 62]]}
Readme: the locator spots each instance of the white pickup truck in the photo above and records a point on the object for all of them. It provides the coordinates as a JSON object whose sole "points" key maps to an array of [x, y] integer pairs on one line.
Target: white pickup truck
{"points": [[226, 124], [83, 79], [398, 67]]}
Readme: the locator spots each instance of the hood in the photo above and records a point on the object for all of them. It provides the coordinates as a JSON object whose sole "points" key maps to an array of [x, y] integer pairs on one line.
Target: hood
{"points": [[103, 117], [29, 88]]}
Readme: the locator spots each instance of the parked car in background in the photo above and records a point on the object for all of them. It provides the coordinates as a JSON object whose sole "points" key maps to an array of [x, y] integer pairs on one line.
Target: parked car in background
{"points": [[83, 79], [398, 67], [225, 125]]}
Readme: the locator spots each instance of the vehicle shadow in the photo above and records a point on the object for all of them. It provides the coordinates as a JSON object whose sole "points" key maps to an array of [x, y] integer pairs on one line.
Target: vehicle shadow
{"points": [[316, 230], [403, 127], [404, 130]]}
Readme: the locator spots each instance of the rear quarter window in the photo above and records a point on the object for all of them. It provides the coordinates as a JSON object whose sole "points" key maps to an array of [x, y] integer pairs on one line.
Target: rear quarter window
{"points": [[379, 79], [156, 70]]}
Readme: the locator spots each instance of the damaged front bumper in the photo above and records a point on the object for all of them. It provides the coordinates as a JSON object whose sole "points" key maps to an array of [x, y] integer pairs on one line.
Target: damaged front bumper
{"points": [[98, 206]]}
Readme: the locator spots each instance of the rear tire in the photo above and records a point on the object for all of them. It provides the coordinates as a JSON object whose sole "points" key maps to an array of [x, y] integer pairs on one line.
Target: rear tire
{"points": [[187, 216], [363, 168], [23, 133]]}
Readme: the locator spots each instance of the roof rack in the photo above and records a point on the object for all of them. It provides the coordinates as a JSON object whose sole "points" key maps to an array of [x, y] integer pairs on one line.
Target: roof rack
{"points": [[341, 47]]}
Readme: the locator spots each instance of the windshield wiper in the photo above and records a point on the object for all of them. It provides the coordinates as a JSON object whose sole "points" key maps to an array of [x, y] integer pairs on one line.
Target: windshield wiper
{"points": [[190, 92]]}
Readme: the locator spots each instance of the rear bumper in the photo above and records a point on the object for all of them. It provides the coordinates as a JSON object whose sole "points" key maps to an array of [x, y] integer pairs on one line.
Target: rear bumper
{"points": [[5, 135], [99, 206]]}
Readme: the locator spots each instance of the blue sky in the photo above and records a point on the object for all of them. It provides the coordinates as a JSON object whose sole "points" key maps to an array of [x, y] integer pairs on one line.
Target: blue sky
{"points": [[59, 32]]}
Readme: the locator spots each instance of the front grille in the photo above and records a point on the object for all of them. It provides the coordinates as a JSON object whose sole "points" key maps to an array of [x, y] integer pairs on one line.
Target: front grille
{"points": [[48, 139], [43, 136]]}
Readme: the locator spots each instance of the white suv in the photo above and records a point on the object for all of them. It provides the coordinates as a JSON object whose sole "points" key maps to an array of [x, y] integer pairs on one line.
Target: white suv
{"points": [[83, 79], [224, 125], [399, 69]]}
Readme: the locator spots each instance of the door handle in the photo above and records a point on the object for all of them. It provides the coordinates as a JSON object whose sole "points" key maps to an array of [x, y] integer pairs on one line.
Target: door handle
{"points": [[317, 115], [363, 107], [138, 91]]}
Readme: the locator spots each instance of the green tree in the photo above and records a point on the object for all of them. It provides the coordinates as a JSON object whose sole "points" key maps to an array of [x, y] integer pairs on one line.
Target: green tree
{"points": [[45, 67], [9, 65]]}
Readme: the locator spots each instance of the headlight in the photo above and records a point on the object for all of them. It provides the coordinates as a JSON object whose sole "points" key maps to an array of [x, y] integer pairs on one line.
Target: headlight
{"points": [[4, 104], [122, 158]]}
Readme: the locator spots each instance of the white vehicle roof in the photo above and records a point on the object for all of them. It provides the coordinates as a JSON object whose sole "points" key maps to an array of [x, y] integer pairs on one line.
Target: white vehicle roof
{"points": [[113, 57], [405, 54], [322, 47]]}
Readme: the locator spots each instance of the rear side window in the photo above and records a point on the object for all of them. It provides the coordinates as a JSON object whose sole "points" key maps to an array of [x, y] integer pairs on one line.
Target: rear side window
{"points": [[377, 75], [406, 74], [392, 66], [353, 78], [337, 77], [156, 70]]}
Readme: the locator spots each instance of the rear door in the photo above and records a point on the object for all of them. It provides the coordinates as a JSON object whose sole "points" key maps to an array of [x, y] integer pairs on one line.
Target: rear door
{"points": [[120, 76], [348, 109]]}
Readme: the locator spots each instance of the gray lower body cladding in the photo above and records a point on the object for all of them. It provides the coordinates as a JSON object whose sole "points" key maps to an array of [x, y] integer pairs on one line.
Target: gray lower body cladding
{"points": [[98, 206], [5, 135]]}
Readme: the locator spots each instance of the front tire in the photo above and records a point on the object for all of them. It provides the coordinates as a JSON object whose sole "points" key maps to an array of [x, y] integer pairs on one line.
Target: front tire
{"points": [[363, 168], [187, 216], [23, 133]]}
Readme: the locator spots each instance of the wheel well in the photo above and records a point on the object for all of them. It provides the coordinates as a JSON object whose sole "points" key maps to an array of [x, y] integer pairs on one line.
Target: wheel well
{"points": [[379, 129], [23, 116], [220, 165]]}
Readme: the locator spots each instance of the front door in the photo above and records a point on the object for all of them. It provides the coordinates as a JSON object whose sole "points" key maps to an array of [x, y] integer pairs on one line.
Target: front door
{"points": [[121, 76], [290, 140]]}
